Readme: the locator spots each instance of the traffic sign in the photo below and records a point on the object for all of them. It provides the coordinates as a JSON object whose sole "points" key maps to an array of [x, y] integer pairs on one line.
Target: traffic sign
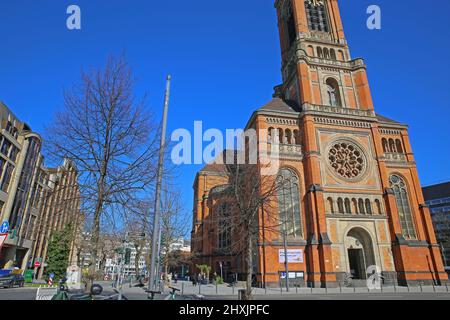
{"points": [[4, 227], [3, 237], [37, 264]]}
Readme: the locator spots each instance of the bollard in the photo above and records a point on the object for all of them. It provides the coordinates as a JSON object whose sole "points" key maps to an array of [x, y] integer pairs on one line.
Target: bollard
{"points": [[265, 288], [233, 288], [182, 288], [216, 288], [199, 288], [446, 286], [421, 289], [296, 288], [340, 287], [434, 287]]}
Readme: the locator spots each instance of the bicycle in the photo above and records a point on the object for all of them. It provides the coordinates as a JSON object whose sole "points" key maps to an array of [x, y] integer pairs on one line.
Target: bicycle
{"points": [[173, 294]]}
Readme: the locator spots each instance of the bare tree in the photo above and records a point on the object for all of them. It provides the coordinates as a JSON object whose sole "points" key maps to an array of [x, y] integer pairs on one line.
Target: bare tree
{"points": [[174, 226], [109, 136], [245, 209], [140, 230]]}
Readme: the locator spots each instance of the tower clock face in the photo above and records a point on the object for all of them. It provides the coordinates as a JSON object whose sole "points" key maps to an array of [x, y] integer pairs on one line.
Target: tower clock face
{"points": [[347, 160]]}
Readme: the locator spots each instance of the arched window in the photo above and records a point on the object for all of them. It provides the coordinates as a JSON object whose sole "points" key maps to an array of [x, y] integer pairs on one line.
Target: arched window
{"points": [[316, 15], [280, 136], [319, 52], [333, 95], [326, 53], [330, 203], [224, 226], [333, 54], [348, 208], [270, 135], [368, 207], [361, 206], [297, 137], [289, 203], [341, 205], [385, 145], [288, 136], [403, 206], [398, 144], [355, 206], [378, 206], [392, 145]]}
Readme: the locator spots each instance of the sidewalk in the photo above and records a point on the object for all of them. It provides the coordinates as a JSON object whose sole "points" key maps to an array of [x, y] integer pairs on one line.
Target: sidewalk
{"points": [[226, 290], [190, 292]]}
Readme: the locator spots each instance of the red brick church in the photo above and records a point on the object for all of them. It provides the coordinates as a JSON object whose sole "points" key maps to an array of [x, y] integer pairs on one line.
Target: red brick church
{"points": [[353, 197]]}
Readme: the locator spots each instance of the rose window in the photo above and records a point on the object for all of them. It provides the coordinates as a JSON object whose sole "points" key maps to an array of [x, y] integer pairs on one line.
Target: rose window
{"points": [[346, 159]]}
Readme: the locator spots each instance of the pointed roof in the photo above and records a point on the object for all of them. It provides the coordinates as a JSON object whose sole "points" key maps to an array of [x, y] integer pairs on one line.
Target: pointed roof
{"points": [[278, 105], [385, 119]]}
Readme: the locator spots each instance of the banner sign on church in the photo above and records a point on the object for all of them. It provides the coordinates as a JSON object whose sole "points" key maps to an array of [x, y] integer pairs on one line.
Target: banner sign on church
{"points": [[294, 256]]}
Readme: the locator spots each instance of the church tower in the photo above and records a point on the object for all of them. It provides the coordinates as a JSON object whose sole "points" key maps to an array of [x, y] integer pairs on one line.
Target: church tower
{"points": [[351, 199]]}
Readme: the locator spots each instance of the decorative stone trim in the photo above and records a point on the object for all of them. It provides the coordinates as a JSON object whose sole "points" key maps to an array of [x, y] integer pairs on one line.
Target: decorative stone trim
{"points": [[288, 151], [395, 157], [391, 132], [289, 122], [340, 122], [338, 110]]}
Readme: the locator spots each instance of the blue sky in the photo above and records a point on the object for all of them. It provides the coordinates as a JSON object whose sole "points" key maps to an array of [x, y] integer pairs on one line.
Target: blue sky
{"points": [[225, 59]]}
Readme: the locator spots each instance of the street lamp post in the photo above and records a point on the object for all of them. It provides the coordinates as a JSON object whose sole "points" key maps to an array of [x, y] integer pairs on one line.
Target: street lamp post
{"points": [[286, 261], [156, 224]]}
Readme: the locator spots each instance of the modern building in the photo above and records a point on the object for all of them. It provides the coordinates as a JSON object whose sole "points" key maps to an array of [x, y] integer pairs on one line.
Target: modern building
{"points": [[60, 197], [437, 197], [34, 200], [181, 244], [350, 196]]}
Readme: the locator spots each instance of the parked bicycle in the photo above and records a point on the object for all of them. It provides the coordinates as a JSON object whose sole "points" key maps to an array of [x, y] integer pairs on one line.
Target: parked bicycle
{"points": [[95, 294], [173, 294]]}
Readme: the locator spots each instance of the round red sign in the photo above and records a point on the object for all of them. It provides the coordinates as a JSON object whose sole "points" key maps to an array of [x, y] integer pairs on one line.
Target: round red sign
{"points": [[37, 264]]}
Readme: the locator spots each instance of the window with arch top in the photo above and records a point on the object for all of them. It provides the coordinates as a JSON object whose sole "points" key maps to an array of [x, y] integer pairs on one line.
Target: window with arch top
{"points": [[316, 15], [289, 204], [333, 95], [398, 185]]}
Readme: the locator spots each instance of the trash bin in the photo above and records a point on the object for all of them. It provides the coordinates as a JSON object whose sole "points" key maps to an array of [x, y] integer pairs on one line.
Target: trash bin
{"points": [[241, 294]]}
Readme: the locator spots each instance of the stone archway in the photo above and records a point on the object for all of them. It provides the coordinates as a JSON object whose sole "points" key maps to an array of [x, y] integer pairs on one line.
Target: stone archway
{"points": [[360, 253]]}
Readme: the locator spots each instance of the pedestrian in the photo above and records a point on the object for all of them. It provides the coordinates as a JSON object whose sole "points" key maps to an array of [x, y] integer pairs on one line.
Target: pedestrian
{"points": [[194, 281], [175, 277]]}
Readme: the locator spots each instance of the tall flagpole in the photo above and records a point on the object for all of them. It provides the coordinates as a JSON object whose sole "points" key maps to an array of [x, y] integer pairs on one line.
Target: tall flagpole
{"points": [[156, 227]]}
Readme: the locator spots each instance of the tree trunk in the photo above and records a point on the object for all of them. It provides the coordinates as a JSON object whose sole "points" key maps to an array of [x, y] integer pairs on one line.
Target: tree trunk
{"points": [[249, 261]]}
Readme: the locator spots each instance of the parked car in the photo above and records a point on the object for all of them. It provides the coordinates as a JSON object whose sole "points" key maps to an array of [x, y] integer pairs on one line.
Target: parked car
{"points": [[11, 280]]}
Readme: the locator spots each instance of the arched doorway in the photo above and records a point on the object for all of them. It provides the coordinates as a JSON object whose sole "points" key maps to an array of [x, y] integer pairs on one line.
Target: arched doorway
{"points": [[360, 255]]}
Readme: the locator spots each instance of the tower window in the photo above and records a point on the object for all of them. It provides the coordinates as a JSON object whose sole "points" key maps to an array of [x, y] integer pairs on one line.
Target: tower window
{"points": [[316, 15], [292, 33], [289, 203], [289, 25], [403, 206], [333, 95]]}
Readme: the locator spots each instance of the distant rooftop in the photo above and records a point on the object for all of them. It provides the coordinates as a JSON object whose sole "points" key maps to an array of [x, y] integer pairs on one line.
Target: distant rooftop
{"points": [[437, 191]]}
